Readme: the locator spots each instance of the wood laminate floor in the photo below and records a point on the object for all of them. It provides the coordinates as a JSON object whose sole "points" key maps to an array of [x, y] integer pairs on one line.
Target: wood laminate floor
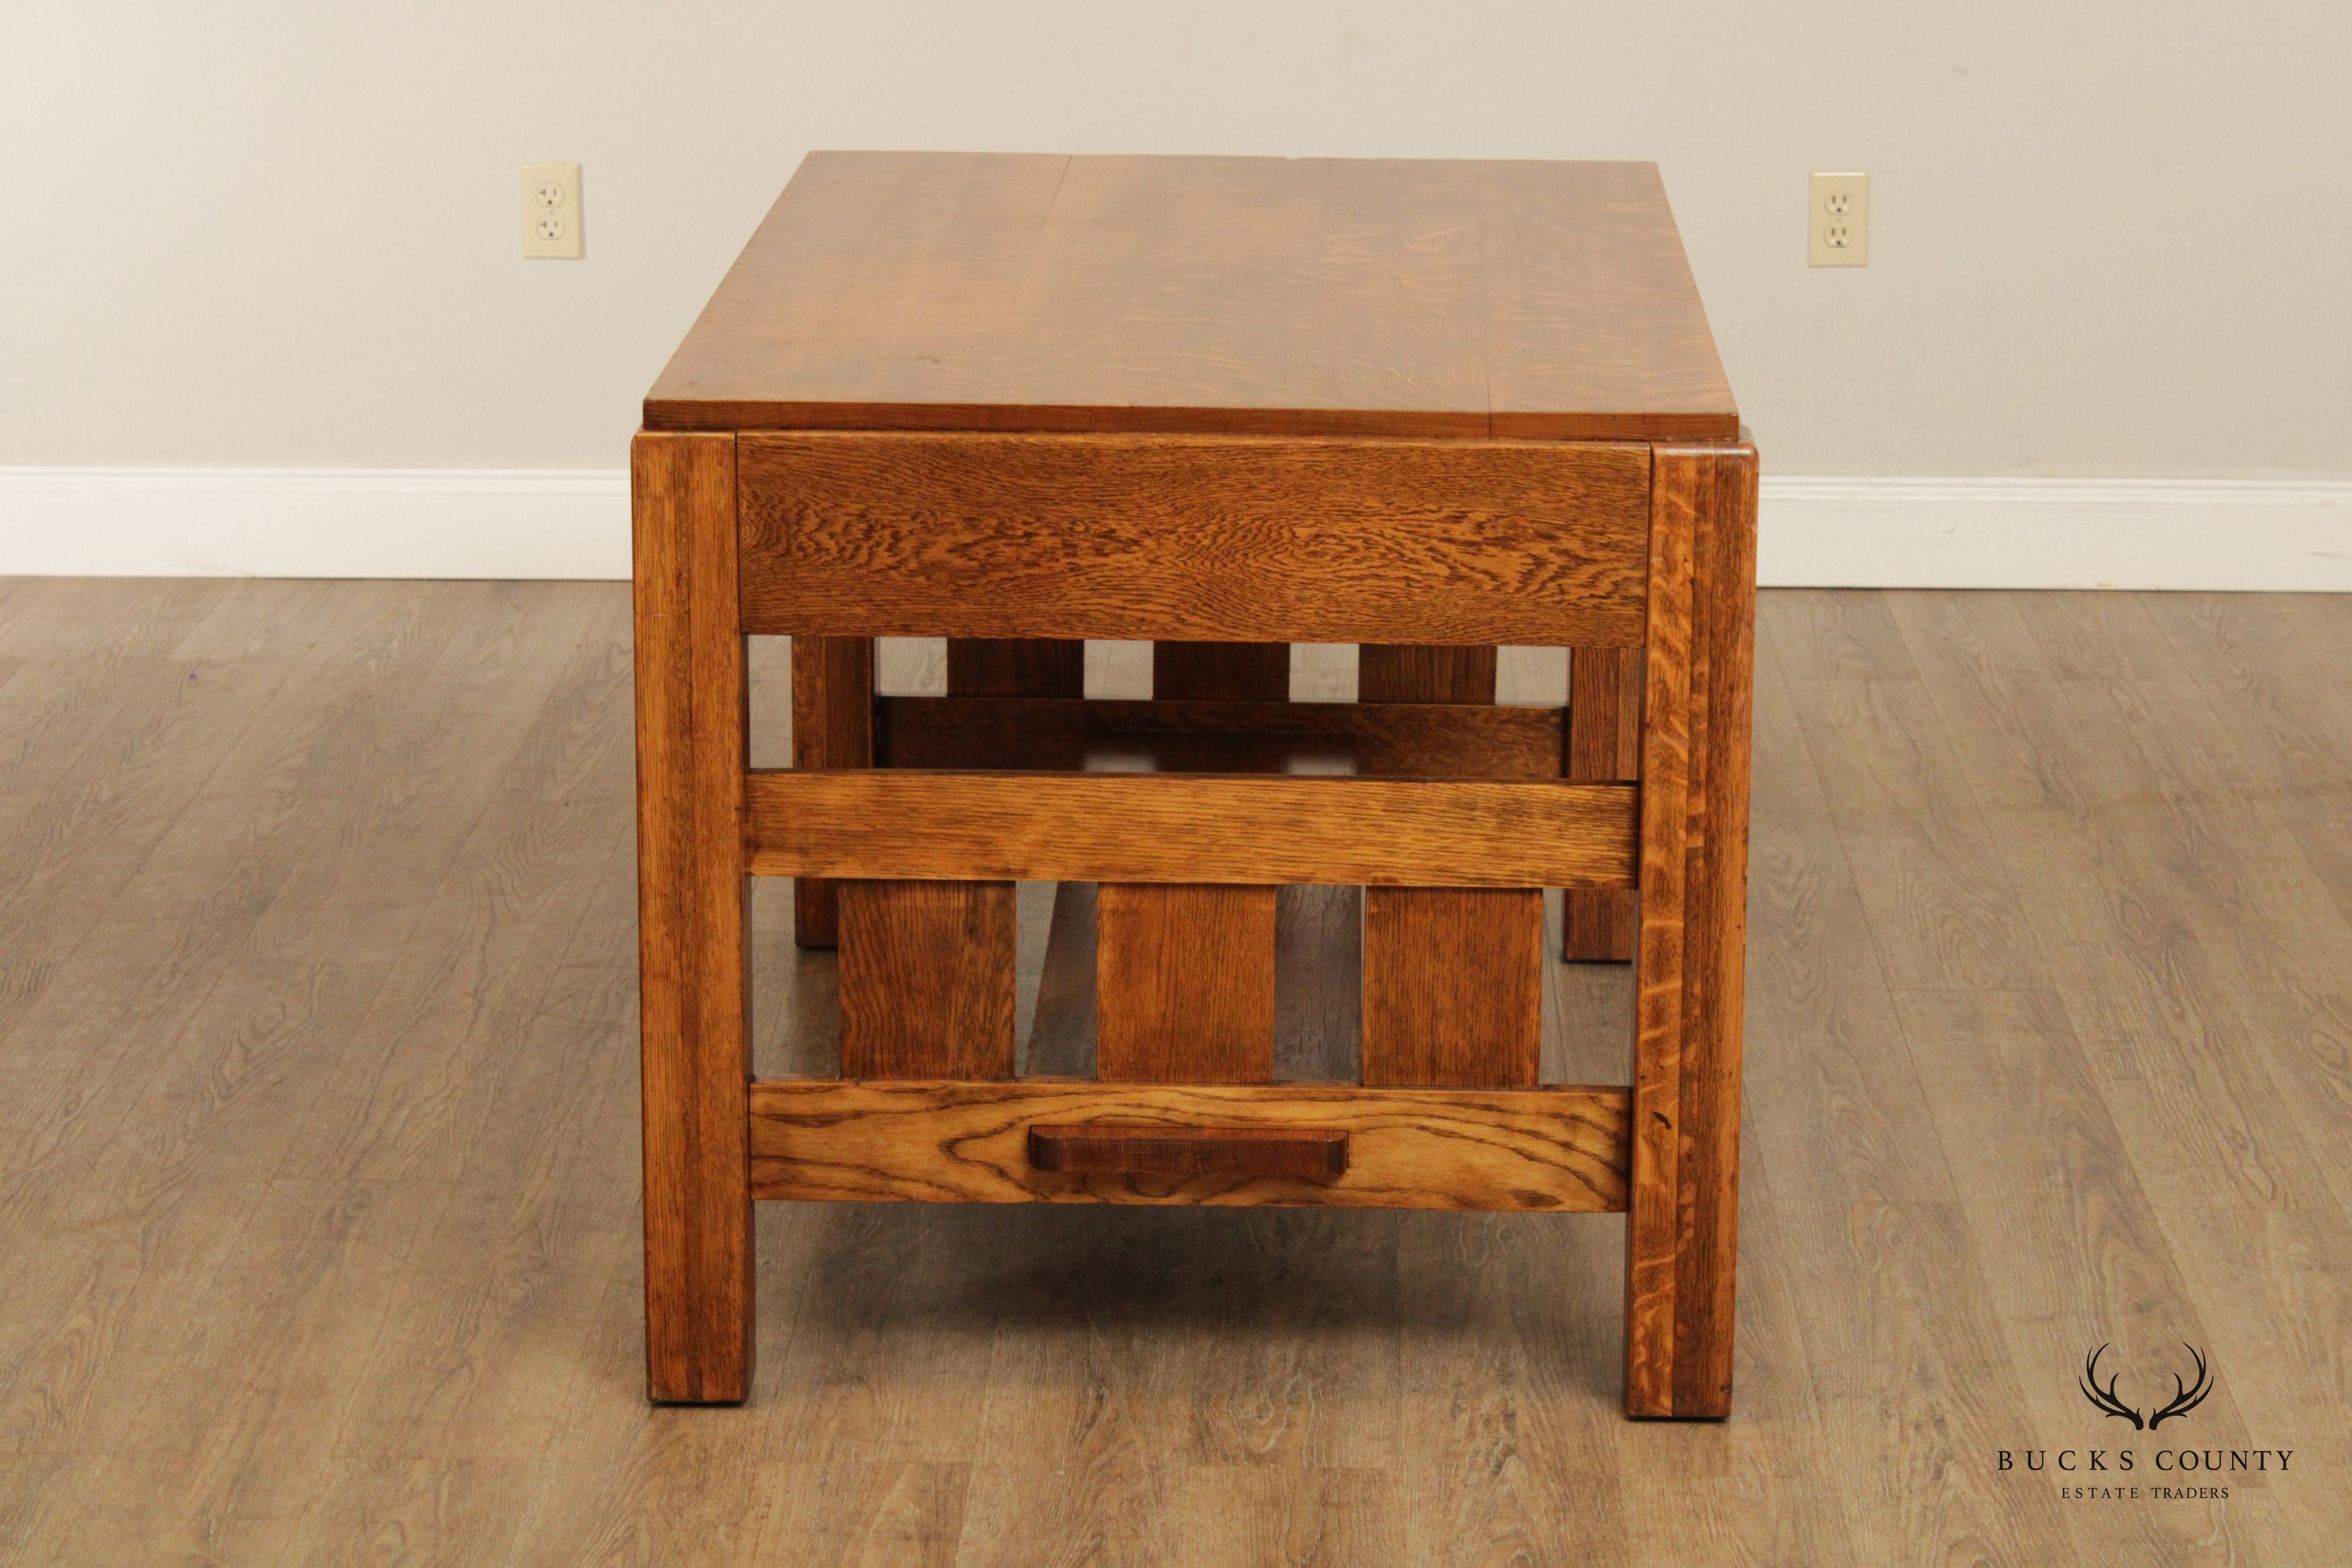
{"points": [[318, 1143]]}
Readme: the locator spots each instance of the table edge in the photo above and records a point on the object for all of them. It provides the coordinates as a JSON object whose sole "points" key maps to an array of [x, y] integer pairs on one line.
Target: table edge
{"points": [[682, 414]]}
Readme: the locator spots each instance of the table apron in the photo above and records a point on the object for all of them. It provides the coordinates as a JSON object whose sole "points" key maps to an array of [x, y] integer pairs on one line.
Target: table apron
{"points": [[974, 534]]}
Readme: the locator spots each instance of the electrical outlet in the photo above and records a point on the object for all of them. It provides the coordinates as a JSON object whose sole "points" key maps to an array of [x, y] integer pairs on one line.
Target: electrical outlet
{"points": [[1837, 220], [551, 212]]}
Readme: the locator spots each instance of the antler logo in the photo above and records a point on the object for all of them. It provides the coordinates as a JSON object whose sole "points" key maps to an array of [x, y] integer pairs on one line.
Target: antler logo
{"points": [[2185, 1397]]}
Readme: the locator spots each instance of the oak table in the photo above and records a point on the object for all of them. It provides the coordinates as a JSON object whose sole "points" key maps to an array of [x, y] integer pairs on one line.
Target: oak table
{"points": [[1224, 404]]}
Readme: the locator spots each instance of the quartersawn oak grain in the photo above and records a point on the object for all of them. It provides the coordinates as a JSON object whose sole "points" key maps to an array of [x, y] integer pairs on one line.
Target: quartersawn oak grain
{"points": [[926, 979], [1189, 827], [1454, 986], [1184, 984], [1653, 1197], [1716, 936], [1548, 1149], [1220, 538], [692, 732], [1681, 1228], [1248, 296]]}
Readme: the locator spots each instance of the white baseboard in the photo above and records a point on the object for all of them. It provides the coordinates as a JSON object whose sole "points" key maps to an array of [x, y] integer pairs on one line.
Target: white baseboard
{"points": [[2242, 534], [314, 522]]}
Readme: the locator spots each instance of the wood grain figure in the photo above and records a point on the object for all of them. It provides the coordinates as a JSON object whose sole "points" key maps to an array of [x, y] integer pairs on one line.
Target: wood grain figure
{"points": [[1546, 1149], [1189, 827], [1682, 1229], [1150, 1148], [1453, 986], [974, 535], [693, 731], [1184, 984], [1318, 298], [926, 979]]}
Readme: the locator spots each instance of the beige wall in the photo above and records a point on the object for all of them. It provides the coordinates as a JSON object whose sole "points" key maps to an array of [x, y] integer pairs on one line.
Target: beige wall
{"points": [[244, 233]]}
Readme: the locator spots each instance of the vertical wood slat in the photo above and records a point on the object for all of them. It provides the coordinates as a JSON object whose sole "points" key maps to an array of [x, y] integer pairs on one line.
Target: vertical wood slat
{"points": [[1452, 977], [1221, 672], [1016, 667], [692, 740], [1184, 975], [1605, 746], [1452, 987], [1184, 984], [1683, 1210], [1401, 672], [927, 969], [927, 980], [833, 727]]}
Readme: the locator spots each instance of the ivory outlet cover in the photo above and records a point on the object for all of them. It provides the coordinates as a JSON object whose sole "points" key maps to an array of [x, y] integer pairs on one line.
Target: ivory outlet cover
{"points": [[1837, 220], [551, 212]]}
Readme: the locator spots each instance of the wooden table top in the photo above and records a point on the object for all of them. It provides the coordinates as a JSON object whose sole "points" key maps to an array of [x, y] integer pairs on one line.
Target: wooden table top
{"points": [[1248, 296]]}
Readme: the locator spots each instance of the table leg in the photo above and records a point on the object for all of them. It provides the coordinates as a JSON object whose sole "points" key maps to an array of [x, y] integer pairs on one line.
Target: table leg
{"points": [[692, 728], [1682, 1223]]}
